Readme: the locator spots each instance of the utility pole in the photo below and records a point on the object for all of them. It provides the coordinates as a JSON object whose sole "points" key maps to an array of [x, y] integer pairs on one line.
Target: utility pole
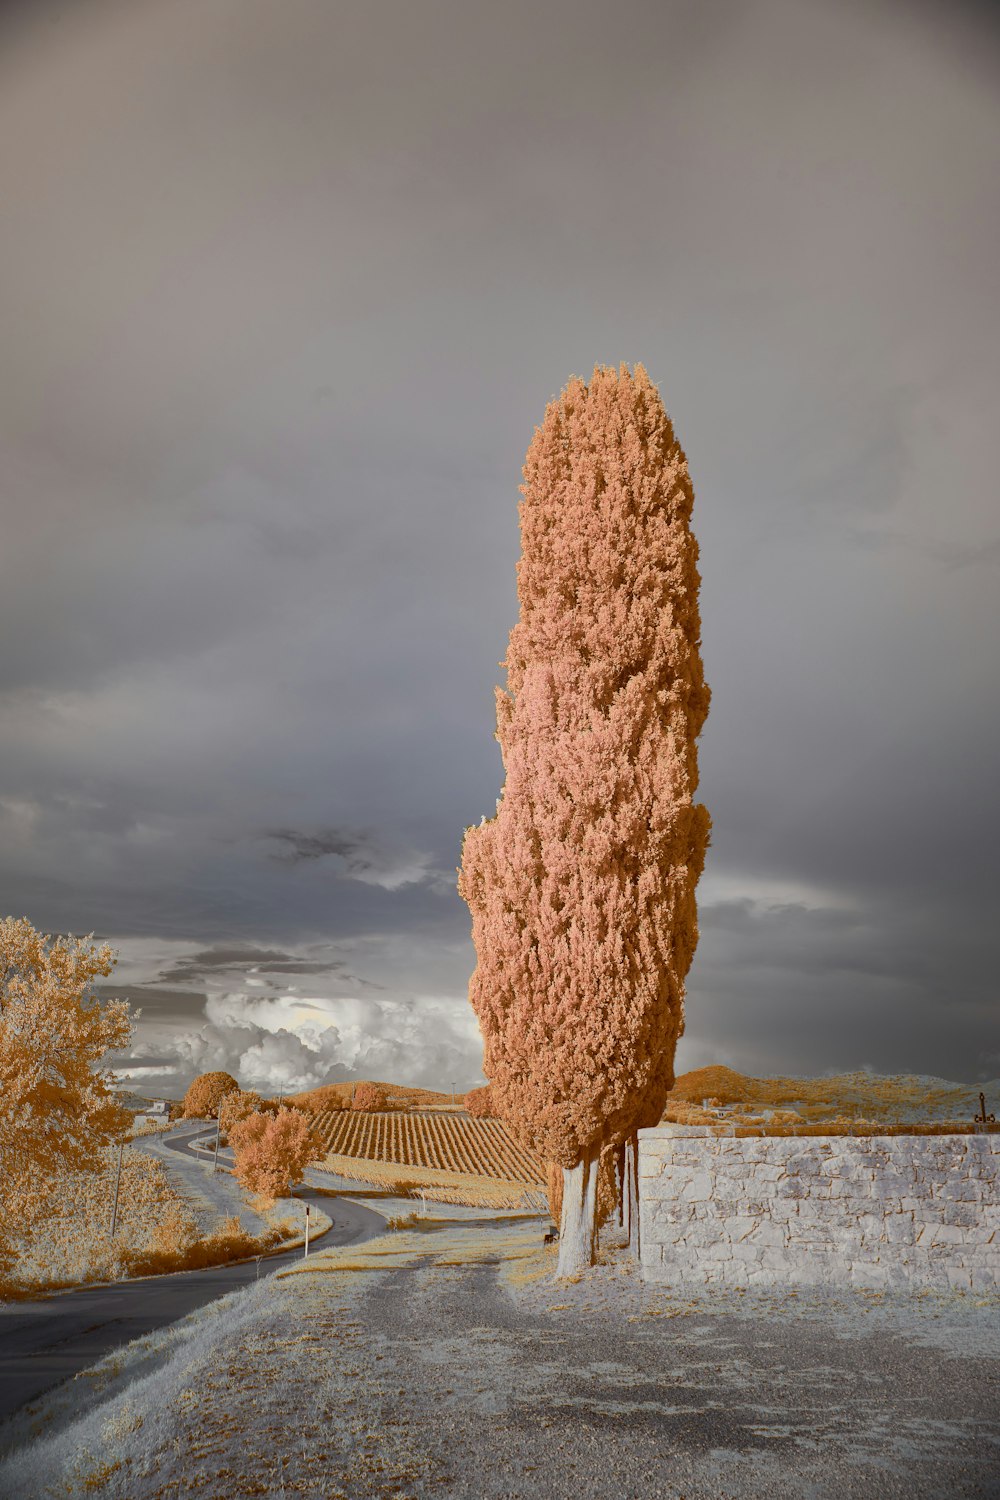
{"points": [[218, 1132], [306, 1252], [118, 1183]]}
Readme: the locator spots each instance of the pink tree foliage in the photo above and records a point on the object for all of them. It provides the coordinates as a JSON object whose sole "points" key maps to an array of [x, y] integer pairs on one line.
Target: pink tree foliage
{"points": [[479, 1103], [582, 887], [272, 1151], [370, 1098]]}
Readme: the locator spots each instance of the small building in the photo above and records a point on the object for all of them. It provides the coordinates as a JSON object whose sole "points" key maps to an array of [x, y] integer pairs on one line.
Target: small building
{"points": [[153, 1112]]}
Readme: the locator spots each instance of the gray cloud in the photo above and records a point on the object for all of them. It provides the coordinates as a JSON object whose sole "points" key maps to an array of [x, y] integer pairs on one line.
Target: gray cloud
{"points": [[278, 325], [364, 858], [242, 960]]}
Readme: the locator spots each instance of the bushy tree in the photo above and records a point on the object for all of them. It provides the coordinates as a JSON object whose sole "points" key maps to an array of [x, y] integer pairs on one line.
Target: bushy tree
{"points": [[235, 1107], [206, 1093], [582, 887], [369, 1097], [57, 1106], [272, 1151], [479, 1103]]}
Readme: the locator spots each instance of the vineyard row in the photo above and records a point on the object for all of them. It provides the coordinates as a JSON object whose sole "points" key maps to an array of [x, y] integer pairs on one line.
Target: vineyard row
{"points": [[449, 1143]]}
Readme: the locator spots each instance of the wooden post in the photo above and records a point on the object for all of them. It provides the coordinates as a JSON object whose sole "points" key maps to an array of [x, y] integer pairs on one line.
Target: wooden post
{"points": [[118, 1183]]}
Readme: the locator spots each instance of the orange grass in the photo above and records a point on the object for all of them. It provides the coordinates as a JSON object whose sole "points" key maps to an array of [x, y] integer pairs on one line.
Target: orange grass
{"points": [[857, 1103], [155, 1230], [440, 1186]]}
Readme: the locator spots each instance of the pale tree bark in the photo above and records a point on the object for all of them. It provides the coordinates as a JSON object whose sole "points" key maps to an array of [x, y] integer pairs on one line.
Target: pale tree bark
{"points": [[578, 1228], [631, 1193]]}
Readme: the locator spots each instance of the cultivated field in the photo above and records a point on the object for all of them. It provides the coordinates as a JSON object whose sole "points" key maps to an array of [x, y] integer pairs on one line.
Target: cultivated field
{"points": [[452, 1158], [446, 1142]]}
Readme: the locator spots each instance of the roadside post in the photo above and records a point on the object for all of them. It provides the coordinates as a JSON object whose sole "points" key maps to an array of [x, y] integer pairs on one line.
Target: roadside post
{"points": [[118, 1183], [218, 1132], [306, 1252]]}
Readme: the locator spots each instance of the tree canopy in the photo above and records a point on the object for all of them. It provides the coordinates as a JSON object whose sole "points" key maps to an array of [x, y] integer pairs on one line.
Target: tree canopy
{"points": [[57, 1106], [206, 1093], [272, 1151], [582, 886]]}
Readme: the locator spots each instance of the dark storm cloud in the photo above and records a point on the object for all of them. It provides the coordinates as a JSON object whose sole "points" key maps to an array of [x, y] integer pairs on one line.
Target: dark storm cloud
{"points": [[157, 1004], [780, 987], [240, 961], [298, 846], [363, 856], [281, 307]]}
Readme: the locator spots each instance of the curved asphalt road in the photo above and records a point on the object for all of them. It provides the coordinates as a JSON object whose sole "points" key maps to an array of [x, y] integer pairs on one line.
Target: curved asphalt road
{"points": [[47, 1341]]}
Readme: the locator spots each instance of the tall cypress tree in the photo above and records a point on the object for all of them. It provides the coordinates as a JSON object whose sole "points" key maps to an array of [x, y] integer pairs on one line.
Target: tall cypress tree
{"points": [[582, 887]]}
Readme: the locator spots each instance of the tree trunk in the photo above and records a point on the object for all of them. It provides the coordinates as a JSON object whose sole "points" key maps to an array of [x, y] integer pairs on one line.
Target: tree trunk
{"points": [[620, 1173], [578, 1228], [632, 1193]]}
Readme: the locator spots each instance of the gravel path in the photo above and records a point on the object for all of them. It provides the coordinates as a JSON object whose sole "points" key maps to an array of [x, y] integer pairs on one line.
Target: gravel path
{"points": [[447, 1362]]}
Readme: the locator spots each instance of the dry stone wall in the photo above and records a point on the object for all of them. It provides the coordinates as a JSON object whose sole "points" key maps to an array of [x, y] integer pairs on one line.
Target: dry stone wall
{"points": [[866, 1211]]}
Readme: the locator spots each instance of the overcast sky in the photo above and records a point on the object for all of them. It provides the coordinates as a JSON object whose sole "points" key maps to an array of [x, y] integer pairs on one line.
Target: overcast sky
{"points": [[284, 289]]}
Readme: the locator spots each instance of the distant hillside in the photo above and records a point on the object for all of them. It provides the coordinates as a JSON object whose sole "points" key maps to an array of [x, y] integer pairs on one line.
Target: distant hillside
{"points": [[398, 1096], [899, 1098], [896, 1098]]}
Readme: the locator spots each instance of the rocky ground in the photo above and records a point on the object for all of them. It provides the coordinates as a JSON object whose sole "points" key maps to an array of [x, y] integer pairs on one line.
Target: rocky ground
{"points": [[445, 1361]]}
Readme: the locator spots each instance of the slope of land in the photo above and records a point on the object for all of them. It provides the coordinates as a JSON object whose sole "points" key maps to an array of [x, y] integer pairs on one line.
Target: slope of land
{"points": [[398, 1096], [451, 1157], [446, 1157], [899, 1098], [448, 1143], [447, 1363]]}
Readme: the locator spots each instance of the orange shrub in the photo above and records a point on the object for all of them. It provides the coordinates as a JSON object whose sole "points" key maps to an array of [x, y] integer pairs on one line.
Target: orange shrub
{"points": [[369, 1097], [272, 1151], [202, 1100], [479, 1103], [236, 1107], [193, 1253]]}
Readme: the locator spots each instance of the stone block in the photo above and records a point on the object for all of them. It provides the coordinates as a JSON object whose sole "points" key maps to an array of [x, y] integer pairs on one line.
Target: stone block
{"points": [[942, 1234], [769, 1171], [745, 1251], [726, 1208], [897, 1229], [767, 1232], [803, 1164], [699, 1185], [967, 1215], [957, 1190], [912, 1202], [754, 1208], [890, 1184], [808, 1237]]}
